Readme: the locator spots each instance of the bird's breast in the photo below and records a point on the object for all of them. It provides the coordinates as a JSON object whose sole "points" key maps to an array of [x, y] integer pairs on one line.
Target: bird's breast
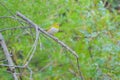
{"points": [[53, 30]]}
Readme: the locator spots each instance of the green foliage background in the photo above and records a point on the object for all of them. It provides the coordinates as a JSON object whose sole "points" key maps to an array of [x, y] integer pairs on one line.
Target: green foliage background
{"points": [[86, 26]]}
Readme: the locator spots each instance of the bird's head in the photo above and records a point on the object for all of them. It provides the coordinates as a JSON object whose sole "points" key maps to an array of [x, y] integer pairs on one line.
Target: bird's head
{"points": [[56, 25]]}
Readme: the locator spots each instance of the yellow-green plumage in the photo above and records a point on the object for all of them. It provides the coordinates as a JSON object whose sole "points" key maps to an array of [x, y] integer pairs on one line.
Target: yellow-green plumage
{"points": [[54, 29]]}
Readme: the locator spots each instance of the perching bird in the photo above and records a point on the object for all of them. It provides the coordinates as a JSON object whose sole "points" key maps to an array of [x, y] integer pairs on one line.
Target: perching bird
{"points": [[54, 29]]}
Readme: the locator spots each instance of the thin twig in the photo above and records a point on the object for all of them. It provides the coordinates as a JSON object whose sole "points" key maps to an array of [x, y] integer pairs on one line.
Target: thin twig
{"points": [[32, 51], [7, 17], [73, 72], [3, 60], [13, 28], [6, 65], [46, 66], [31, 72], [12, 17]]}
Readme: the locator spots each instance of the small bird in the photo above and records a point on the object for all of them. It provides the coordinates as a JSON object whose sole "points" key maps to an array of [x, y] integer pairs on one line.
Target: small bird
{"points": [[54, 29]]}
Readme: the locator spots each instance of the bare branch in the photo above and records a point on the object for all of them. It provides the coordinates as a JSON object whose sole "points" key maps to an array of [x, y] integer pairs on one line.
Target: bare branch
{"points": [[8, 57], [7, 17], [13, 18], [32, 51], [46, 66], [31, 72], [13, 28], [6, 65]]}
